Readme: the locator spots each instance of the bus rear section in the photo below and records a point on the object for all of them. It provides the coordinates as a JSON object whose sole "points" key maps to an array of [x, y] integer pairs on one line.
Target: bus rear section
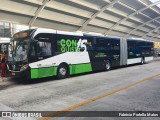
{"points": [[136, 51], [104, 52]]}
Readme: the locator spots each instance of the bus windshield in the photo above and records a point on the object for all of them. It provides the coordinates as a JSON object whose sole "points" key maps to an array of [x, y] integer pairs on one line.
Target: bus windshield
{"points": [[20, 45], [21, 49]]}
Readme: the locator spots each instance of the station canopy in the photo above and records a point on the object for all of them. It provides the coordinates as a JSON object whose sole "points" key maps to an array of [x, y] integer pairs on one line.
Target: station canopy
{"points": [[123, 18]]}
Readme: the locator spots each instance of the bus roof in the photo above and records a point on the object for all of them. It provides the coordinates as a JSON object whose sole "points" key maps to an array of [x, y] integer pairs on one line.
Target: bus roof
{"points": [[138, 39], [42, 30], [92, 35]]}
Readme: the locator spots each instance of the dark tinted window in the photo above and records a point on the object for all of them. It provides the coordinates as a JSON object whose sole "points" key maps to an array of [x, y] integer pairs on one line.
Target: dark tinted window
{"points": [[44, 48], [110, 44], [141, 43], [100, 42], [43, 37], [44, 44], [116, 45], [150, 44], [33, 52], [131, 45]]}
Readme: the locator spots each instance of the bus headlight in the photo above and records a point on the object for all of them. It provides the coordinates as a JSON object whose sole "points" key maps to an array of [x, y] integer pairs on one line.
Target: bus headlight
{"points": [[24, 67]]}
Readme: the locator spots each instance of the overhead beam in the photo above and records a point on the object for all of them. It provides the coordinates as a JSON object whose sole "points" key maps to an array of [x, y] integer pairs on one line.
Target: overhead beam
{"points": [[92, 7], [15, 11], [152, 36], [151, 9], [60, 9], [141, 12], [156, 35], [145, 35], [134, 13], [79, 2], [123, 16], [38, 11], [123, 4], [140, 26], [96, 14]]}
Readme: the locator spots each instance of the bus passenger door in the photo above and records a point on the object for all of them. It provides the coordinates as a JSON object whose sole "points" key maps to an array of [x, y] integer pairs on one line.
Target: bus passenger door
{"points": [[115, 56], [32, 55]]}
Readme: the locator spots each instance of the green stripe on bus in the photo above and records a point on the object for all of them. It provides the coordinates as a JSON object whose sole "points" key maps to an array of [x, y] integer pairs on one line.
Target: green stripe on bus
{"points": [[43, 72], [52, 71], [80, 68]]}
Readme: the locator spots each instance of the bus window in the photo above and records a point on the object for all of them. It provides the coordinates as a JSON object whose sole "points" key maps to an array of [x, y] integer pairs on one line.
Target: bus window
{"points": [[44, 43], [33, 53], [149, 44], [109, 44], [94, 40], [133, 51], [100, 42], [141, 44], [116, 45], [131, 45], [44, 48], [43, 37]]}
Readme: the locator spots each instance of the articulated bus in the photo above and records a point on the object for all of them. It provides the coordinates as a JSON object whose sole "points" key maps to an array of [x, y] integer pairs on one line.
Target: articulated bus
{"points": [[39, 53]]}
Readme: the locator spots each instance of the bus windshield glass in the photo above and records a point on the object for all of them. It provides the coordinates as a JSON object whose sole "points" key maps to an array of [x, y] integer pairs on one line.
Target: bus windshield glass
{"points": [[21, 49], [20, 45]]}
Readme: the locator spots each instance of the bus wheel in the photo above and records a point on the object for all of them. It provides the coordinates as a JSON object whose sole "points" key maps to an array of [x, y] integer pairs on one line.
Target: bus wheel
{"points": [[142, 61], [62, 72], [108, 66]]}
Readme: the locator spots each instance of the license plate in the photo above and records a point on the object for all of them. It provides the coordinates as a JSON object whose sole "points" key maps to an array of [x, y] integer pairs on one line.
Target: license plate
{"points": [[13, 74]]}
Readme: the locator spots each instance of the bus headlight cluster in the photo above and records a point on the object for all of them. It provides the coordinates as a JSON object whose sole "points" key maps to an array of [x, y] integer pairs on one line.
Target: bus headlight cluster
{"points": [[24, 67]]}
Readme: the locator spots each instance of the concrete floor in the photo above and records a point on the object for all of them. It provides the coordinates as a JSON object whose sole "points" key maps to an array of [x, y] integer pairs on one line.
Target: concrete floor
{"points": [[134, 88]]}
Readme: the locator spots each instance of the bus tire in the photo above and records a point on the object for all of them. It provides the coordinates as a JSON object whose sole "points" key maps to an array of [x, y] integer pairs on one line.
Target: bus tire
{"points": [[108, 65], [142, 61], [62, 71]]}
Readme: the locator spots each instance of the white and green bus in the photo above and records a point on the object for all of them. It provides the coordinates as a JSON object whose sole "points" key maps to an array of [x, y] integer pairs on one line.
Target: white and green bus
{"points": [[38, 53]]}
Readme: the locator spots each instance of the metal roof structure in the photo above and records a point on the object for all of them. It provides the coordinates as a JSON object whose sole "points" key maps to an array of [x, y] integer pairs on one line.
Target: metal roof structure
{"points": [[123, 18]]}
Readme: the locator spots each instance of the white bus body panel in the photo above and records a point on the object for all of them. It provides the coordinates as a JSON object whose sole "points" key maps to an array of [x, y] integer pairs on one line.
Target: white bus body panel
{"points": [[147, 59], [68, 57], [133, 61]]}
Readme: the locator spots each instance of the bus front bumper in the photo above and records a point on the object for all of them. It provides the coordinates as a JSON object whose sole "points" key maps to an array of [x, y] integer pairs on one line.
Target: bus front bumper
{"points": [[19, 74]]}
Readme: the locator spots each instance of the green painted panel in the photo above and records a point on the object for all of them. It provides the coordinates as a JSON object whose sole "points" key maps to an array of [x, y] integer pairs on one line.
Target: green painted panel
{"points": [[43, 72], [80, 68], [52, 71]]}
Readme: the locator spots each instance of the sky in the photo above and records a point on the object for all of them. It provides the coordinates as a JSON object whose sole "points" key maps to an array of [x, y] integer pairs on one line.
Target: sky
{"points": [[155, 1]]}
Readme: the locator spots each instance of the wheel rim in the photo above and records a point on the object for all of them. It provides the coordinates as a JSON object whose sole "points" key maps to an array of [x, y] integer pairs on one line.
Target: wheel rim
{"points": [[108, 66], [62, 71]]}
